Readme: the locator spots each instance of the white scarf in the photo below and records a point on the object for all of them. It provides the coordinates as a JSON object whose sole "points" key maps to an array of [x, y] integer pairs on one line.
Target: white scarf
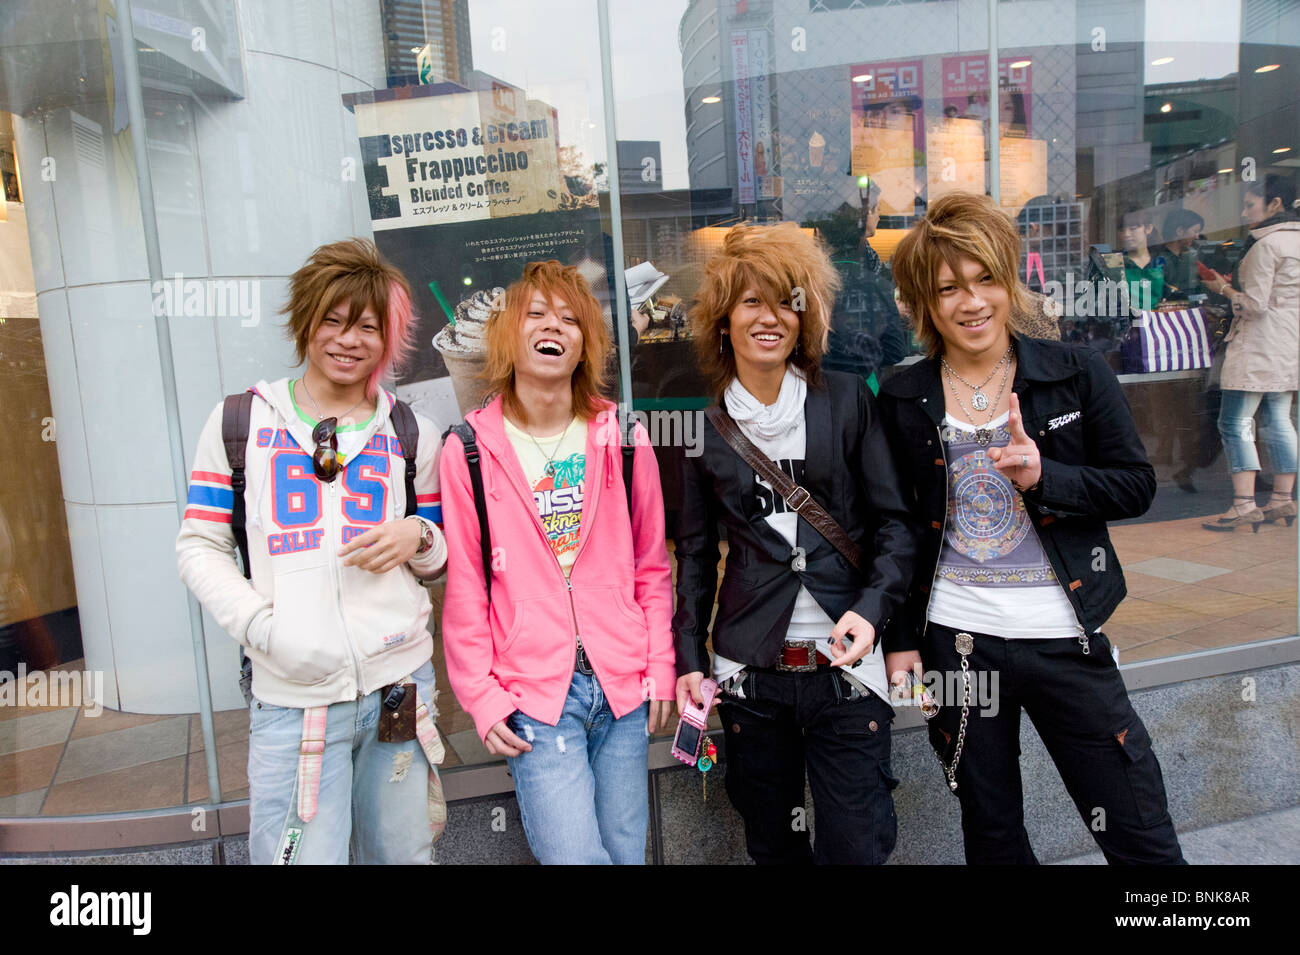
{"points": [[768, 421]]}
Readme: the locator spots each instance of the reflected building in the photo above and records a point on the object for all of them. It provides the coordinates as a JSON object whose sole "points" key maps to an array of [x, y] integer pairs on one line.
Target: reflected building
{"points": [[426, 41]]}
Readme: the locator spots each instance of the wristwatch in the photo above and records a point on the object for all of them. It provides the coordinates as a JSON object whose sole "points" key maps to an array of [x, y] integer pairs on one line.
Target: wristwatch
{"points": [[426, 536]]}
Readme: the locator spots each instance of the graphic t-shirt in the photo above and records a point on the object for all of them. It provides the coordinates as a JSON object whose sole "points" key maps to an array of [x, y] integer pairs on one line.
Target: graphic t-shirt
{"points": [[993, 576], [557, 482]]}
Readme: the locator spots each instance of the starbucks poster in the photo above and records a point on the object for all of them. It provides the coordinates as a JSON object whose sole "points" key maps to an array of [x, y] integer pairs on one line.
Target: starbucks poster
{"points": [[464, 189]]}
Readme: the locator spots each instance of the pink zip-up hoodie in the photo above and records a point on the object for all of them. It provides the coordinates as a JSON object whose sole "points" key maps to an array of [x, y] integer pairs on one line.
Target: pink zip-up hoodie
{"points": [[518, 654]]}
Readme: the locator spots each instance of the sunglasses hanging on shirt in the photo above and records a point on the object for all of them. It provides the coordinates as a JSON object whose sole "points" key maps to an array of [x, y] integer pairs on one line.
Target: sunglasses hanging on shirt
{"points": [[325, 459]]}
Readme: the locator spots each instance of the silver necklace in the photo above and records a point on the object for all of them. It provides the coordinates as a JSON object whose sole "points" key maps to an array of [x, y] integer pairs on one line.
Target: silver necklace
{"points": [[985, 434], [550, 458], [319, 416], [978, 400]]}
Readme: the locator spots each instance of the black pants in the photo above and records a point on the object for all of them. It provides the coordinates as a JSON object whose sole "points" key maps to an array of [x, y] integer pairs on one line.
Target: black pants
{"points": [[1082, 712], [789, 721]]}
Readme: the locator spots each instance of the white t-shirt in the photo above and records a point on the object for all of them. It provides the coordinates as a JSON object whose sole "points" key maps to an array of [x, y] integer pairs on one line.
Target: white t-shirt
{"points": [[808, 620], [558, 482], [993, 576]]}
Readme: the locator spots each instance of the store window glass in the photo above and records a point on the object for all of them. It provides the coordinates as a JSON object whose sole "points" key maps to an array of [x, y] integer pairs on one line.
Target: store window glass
{"points": [[467, 137], [1123, 141], [269, 131]]}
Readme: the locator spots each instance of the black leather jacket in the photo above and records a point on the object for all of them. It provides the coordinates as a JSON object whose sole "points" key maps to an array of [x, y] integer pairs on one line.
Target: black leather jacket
{"points": [[1094, 470], [849, 471]]}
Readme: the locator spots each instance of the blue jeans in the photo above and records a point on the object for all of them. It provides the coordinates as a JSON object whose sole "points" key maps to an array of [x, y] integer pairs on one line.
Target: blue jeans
{"points": [[582, 789], [373, 796], [1237, 427]]}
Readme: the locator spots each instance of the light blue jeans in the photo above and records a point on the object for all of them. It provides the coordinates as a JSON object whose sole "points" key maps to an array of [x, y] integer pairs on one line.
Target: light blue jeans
{"points": [[373, 796], [1237, 428], [582, 789]]}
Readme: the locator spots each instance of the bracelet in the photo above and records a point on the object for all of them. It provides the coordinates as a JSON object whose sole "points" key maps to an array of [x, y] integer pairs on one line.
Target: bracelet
{"points": [[1027, 490]]}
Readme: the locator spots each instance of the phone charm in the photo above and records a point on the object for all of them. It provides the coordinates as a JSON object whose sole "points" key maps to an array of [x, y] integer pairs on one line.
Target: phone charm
{"points": [[705, 763]]}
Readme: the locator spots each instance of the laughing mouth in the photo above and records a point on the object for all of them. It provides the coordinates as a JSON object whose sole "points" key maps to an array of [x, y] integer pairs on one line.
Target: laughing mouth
{"points": [[767, 337], [346, 359], [548, 346], [973, 322]]}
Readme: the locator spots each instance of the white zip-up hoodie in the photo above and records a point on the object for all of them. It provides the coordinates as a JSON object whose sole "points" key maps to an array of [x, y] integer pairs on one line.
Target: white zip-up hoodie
{"points": [[317, 631]]}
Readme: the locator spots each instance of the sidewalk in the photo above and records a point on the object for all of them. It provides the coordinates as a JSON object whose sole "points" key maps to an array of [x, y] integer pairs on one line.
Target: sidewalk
{"points": [[1271, 838]]}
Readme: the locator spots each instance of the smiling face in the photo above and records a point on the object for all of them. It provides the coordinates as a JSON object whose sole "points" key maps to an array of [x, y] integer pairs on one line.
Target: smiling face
{"points": [[762, 340], [550, 341], [973, 312], [346, 356]]}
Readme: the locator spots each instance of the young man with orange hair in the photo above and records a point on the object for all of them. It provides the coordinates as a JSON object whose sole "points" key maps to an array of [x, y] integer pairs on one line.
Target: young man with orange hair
{"points": [[561, 651], [342, 746]]}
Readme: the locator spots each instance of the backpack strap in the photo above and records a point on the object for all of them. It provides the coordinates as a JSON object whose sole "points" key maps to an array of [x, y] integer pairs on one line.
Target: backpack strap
{"points": [[235, 417], [629, 459], [469, 440], [408, 433]]}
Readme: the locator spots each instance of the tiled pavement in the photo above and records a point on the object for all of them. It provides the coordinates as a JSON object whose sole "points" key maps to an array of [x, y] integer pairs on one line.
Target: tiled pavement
{"points": [[1189, 589]]}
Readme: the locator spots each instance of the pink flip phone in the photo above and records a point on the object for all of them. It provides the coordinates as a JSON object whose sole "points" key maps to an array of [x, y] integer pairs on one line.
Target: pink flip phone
{"points": [[690, 728]]}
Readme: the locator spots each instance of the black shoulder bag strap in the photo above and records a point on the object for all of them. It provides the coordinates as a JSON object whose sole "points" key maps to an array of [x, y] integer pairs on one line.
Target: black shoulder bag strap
{"points": [[235, 417], [469, 440], [408, 433], [804, 505]]}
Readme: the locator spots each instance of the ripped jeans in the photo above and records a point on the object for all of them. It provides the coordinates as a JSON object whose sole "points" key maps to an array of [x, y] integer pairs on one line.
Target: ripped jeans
{"points": [[374, 797], [582, 789], [1237, 428]]}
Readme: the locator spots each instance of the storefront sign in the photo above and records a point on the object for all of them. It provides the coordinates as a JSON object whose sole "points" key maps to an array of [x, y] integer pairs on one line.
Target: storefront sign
{"points": [[966, 91], [887, 130], [432, 159], [744, 120]]}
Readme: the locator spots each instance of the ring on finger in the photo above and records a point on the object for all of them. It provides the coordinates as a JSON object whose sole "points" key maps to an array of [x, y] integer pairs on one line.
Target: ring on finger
{"points": [[1024, 460]]}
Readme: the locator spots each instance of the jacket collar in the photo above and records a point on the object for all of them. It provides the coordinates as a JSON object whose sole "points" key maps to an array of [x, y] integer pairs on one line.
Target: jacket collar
{"points": [[1036, 361], [1282, 222]]}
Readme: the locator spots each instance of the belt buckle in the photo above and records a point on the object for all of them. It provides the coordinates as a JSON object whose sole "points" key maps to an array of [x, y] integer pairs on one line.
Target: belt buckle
{"points": [[789, 501], [581, 663], [809, 667]]}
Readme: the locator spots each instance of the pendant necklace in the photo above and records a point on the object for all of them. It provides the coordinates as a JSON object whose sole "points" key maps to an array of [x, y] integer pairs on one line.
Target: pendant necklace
{"points": [[979, 400], [985, 434], [550, 458], [303, 381]]}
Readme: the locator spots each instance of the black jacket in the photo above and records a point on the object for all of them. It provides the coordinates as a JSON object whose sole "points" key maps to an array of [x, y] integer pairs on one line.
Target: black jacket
{"points": [[850, 473], [1094, 470]]}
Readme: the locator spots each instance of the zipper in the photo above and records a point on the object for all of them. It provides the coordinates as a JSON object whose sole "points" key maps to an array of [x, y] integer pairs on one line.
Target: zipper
{"points": [[568, 584], [338, 596], [943, 528], [1081, 635]]}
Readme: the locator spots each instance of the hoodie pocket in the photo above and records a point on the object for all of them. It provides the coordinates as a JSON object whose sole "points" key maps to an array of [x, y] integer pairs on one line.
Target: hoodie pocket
{"points": [[385, 611], [307, 645], [539, 642], [615, 628]]}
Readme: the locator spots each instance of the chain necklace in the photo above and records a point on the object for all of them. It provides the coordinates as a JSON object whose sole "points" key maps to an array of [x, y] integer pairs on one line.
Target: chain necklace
{"points": [[985, 434], [550, 458], [303, 381], [979, 400]]}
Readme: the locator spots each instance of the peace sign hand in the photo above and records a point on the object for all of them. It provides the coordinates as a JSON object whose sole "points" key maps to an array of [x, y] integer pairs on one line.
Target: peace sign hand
{"points": [[1019, 460]]}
